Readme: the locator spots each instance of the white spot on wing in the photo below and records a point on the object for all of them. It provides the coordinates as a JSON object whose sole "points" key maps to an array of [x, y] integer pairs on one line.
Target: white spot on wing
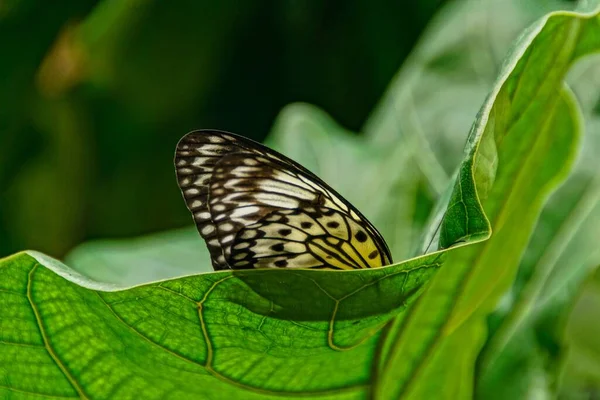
{"points": [[232, 183], [227, 239], [249, 234], [218, 207], [241, 245], [286, 189], [242, 211], [200, 215], [276, 200], [304, 261], [208, 229], [199, 161], [339, 203], [226, 227], [212, 149], [216, 139]]}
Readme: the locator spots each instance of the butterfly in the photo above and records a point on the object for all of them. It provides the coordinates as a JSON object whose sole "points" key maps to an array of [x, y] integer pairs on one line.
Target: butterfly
{"points": [[256, 208]]}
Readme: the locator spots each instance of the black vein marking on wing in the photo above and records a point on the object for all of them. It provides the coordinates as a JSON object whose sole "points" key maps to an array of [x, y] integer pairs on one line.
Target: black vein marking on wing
{"points": [[283, 239], [233, 186]]}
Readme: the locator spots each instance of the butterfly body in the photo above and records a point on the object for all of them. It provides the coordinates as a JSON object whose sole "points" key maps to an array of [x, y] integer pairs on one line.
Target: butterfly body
{"points": [[256, 208]]}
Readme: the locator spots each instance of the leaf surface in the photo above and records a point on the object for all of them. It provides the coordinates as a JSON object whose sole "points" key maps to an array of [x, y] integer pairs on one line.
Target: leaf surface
{"points": [[237, 334], [521, 146]]}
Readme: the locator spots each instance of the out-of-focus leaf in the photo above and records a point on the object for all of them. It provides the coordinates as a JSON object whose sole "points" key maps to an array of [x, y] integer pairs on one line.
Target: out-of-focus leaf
{"points": [[581, 370], [142, 259], [27, 30], [435, 96], [521, 147], [559, 256], [163, 72]]}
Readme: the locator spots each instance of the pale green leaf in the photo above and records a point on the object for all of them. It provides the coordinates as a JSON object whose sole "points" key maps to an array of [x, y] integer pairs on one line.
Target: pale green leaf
{"points": [[521, 146]]}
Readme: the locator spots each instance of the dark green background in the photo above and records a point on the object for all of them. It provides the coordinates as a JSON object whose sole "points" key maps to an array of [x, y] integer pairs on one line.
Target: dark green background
{"points": [[95, 95]]}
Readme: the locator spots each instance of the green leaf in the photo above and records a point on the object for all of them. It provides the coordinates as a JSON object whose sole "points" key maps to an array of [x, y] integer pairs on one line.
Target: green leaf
{"points": [[234, 334], [458, 57], [521, 146], [580, 377], [559, 256], [141, 260], [420, 118]]}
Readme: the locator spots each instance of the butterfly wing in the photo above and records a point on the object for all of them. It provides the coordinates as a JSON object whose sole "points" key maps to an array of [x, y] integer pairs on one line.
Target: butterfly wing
{"points": [[256, 208]]}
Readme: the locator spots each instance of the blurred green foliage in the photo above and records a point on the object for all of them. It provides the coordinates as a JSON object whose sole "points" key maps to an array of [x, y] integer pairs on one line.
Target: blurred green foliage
{"points": [[94, 96]]}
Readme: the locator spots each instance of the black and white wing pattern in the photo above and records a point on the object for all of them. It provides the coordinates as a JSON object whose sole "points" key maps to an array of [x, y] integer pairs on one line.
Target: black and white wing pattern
{"points": [[256, 208]]}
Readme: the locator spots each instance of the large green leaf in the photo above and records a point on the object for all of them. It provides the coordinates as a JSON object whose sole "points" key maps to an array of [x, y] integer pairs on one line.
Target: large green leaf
{"points": [[234, 334], [521, 146], [527, 330]]}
